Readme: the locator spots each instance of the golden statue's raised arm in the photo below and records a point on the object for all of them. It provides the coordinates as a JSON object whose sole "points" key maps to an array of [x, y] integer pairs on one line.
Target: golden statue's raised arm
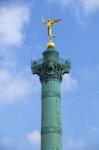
{"points": [[44, 20], [49, 23]]}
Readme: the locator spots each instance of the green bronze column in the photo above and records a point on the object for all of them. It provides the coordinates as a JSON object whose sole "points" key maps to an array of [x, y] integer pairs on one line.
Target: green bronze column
{"points": [[51, 69]]}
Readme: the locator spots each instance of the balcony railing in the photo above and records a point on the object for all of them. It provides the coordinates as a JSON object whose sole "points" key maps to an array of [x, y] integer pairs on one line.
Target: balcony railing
{"points": [[60, 61], [38, 62], [63, 61]]}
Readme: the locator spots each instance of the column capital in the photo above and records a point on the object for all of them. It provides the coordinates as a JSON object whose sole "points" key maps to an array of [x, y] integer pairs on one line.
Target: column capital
{"points": [[51, 67]]}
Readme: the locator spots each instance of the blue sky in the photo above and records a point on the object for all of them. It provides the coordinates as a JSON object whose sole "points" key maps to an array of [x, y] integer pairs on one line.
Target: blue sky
{"points": [[23, 37]]}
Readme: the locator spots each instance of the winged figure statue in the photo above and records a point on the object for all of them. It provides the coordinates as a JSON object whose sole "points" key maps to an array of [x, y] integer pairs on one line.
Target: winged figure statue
{"points": [[49, 23]]}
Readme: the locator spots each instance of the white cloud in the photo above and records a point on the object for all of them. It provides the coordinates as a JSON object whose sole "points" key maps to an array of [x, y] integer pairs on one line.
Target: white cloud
{"points": [[12, 21], [6, 141], [90, 5], [70, 144], [69, 83], [14, 86], [94, 129], [80, 7], [34, 137]]}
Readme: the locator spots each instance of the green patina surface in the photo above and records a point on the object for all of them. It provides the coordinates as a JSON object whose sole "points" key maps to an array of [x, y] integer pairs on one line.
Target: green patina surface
{"points": [[51, 70]]}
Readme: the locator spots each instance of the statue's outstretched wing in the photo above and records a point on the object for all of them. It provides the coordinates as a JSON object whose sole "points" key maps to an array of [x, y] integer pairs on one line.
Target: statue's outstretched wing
{"points": [[43, 19], [55, 21]]}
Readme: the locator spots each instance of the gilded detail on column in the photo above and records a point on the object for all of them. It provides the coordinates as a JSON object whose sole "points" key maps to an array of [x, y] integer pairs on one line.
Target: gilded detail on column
{"points": [[49, 23]]}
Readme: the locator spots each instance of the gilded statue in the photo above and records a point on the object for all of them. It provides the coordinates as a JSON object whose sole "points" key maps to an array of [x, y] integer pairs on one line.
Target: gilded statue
{"points": [[49, 23]]}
